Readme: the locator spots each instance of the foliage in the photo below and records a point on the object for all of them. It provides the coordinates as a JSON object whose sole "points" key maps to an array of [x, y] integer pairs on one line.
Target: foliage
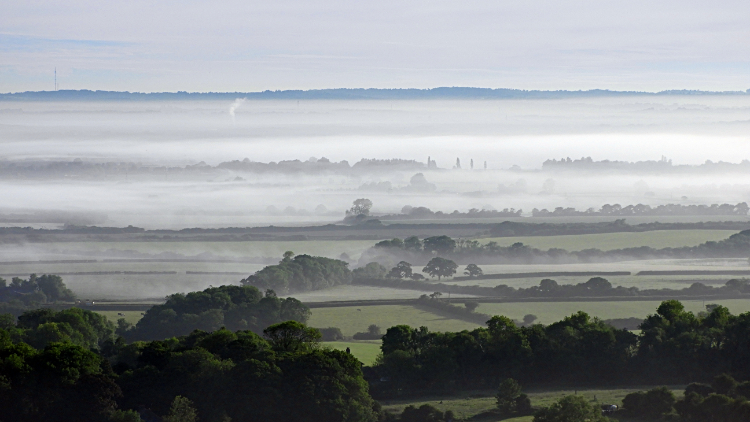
{"points": [[473, 270], [292, 336], [440, 267], [62, 382], [736, 246], [401, 270], [373, 270], [373, 333], [507, 393], [425, 413], [330, 334], [301, 273], [234, 307], [35, 290], [570, 409], [182, 410], [41, 327]]}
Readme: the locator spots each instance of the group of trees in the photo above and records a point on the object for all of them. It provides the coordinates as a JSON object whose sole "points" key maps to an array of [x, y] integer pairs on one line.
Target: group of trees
{"points": [[640, 209], [35, 290], [234, 307], [412, 249], [211, 377], [301, 273], [436, 267], [674, 346], [724, 399]]}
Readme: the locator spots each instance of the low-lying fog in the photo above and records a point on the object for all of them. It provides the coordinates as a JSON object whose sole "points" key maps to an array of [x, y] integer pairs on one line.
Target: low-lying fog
{"points": [[505, 133]]}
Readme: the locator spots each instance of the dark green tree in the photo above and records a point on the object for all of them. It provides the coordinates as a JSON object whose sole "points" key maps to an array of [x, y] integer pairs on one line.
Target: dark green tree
{"points": [[473, 270], [440, 267]]}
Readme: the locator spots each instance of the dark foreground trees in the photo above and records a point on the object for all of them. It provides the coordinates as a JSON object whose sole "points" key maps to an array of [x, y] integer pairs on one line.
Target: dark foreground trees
{"points": [[210, 377]]}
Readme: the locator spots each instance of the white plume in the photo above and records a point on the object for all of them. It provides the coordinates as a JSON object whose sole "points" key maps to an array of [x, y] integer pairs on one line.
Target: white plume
{"points": [[235, 105]]}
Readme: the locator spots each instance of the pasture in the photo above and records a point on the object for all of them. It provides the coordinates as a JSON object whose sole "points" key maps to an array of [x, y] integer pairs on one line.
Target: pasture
{"points": [[549, 312], [366, 351], [352, 319], [480, 405]]}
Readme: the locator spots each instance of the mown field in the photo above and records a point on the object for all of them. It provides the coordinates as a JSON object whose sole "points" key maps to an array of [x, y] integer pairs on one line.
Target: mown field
{"points": [[549, 312], [365, 351], [480, 405], [609, 241], [352, 319]]}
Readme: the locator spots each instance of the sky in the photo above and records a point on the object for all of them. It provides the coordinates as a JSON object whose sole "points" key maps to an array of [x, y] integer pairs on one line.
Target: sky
{"points": [[247, 45]]}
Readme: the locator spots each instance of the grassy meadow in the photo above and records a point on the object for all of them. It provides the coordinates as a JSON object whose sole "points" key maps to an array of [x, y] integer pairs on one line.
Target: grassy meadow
{"points": [[480, 405], [366, 351], [549, 312], [352, 319]]}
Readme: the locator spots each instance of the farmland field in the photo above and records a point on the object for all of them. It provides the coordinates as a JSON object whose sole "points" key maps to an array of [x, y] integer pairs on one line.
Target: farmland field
{"points": [[365, 351], [352, 319], [549, 312], [67, 250], [609, 241], [361, 293], [480, 405]]}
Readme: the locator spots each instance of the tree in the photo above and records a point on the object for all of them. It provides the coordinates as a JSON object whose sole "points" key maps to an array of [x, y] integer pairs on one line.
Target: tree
{"points": [[471, 305], [371, 270], [473, 270], [401, 270], [529, 319], [440, 267], [439, 244], [182, 410], [570, 409], [292, 336], [507, 393], [412, 243], [360, 206]]}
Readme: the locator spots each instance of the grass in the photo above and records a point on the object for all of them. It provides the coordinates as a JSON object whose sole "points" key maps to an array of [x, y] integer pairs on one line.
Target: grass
{"points": [[609, 241], [549, 312], [329, 248], [480, 405], [130, 316], [365, 351], [352, 319]]}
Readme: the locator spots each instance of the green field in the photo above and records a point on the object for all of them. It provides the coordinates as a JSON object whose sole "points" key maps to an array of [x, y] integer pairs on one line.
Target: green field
{"points": [[480, 405], [130, 316], [329, 248], [609, 241], [365, 351], [352, 319], [549, 312]]}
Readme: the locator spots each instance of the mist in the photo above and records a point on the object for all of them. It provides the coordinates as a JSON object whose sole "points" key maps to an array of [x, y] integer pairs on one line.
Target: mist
{"points": [[513, 138]]}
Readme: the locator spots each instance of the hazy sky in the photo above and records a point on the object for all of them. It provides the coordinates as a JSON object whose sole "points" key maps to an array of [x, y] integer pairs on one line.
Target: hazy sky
{"points": [[246, 45]]}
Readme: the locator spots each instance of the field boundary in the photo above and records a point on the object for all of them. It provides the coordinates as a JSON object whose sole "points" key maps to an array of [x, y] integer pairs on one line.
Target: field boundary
{"points": [[695, 272], [543, 274], [484, 299]]}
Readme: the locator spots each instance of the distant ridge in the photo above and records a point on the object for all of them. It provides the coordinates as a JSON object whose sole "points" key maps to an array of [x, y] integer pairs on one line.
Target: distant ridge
{"points": [[344, 94]]}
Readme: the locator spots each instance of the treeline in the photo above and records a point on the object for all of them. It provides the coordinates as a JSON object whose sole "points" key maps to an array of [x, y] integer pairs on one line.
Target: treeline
{"points": [[661, 166], [724, 399], [212, 377], [233, 307], [415, 250], [640, 209], [92, 169], [674, 346], [548, 288], [301, 273], [412, 213]]}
